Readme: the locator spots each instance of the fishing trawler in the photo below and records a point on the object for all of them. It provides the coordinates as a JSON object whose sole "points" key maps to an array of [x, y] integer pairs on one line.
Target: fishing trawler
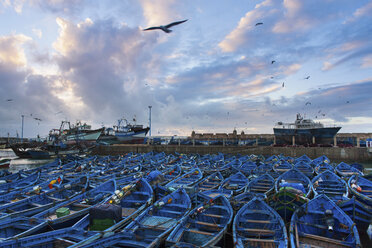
{"points": [[305, 131], [124, 133]]}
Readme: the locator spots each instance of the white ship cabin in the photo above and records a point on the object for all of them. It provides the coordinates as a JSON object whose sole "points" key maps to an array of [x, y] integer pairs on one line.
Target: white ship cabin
{"points": [[300, 123]]}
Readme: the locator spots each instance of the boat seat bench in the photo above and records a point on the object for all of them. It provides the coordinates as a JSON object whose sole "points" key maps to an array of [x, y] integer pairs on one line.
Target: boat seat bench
{"points": [[258, 231], [199, 232], [259, 240]]}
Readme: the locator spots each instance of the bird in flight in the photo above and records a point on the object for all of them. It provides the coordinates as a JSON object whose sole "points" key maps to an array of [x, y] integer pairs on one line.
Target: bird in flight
{"points": [[308, 103], [9, 100], [283, 84], [166, 27], [273, 61], [307, 77], [259, 23], [37, 119]]}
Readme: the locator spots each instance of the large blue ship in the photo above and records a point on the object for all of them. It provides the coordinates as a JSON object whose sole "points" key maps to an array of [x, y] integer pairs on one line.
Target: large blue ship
{"points": [[305, 131]]}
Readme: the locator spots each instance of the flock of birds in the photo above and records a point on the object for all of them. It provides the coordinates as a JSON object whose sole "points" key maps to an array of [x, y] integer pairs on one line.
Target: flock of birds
{"points": [[166, 29]]}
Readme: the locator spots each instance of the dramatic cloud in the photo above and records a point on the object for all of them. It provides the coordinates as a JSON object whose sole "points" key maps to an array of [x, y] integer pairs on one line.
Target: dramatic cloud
{"points": [[11, 50]]}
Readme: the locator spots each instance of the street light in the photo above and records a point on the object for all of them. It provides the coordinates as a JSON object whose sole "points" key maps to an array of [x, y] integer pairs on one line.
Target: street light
{"points": [[150, 120], [22, 128]]}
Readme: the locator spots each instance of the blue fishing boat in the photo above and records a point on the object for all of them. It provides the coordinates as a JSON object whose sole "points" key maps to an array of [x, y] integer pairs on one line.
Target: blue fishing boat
{"points": [[57, 238], [359, 207], [330, 184], [263, 169], [35, 204], [153, 225], [303, 158], [213, 193], [235, 183], [43, 187], [321, 223], [261, 185], [305, 168], [126, 204], [361, 188], [346, 171], [258, 225], [246, 168], [292, 189], [68, 212], [14, 226], [212, 181], [271, 159], [238, 201], [359, 212], [321, 159], [321, 167], [282, 166], [294, 180], [205, 225], [171, 174], [20, 184], [358, 166], [187, 180], [132, 199]]}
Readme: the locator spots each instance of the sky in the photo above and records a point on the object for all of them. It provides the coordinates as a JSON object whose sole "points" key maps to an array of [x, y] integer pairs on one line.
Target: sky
{"points": [[242, 64]]}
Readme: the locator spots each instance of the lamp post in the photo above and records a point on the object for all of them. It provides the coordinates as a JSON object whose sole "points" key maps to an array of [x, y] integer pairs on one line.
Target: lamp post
{"points": [[150, 120], [23, 117]]}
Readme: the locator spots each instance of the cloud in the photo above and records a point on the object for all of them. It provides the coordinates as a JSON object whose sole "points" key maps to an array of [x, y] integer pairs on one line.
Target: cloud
{"points": [[107, 66], [361, 12], [11, 50], [159, 12], [361, 53], [17, 5], [367, 61], [60, 6], [37, 32], [243, 33]]}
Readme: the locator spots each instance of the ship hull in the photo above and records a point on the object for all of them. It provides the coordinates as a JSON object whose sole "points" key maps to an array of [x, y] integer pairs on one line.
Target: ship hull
{"points": [[305, 136], [85, 136], [133, 137]]}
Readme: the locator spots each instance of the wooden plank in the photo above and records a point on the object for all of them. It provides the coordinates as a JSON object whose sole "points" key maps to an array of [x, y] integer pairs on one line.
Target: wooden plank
{"points": [[258, 231], [200, 232], [321, 238], [260, 240], [297, 238], [257, 221], [80, 205], [214, 215], [207, 224]]}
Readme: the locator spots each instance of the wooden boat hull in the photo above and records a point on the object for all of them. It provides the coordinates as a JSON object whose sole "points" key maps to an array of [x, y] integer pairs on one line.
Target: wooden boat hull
{"points": [[322, 223], [258, 225], [205, 225]]}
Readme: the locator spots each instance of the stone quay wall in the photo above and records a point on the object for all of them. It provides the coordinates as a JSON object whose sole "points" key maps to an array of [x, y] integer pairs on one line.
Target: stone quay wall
{"points": [[349, 154]]}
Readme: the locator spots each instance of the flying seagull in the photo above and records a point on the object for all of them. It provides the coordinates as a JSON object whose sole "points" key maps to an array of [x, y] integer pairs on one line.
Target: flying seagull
{"points": [[308, 103], [273, 61], [37, 119], [9, 100], [307, 77], [166, 27], [259, 23]]}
